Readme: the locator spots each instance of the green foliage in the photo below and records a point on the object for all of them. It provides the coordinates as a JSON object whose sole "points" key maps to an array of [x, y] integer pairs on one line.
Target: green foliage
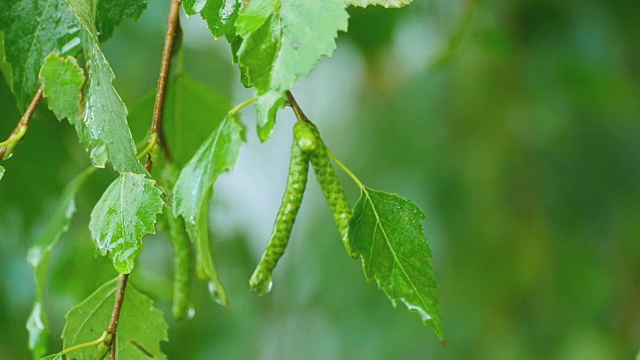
{"points": [[38, 257], [1, 172], [281, 42], [105, 113], [125, 213], [140, 330], [193, 190], [261, 280], [63, 79], [275, 43], [112, 12], [385, 3], [386, 230], [220, 15], [33, 29]]}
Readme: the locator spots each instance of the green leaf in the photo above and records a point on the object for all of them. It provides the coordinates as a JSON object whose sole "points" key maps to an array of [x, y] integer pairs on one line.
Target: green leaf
{"points": [[385, 3], [125, 213], [112, 12], [63, 79], [220, 15], [38, 257], [105, 113], [32, 30], [52, 357], [387, 232], [1, 172], [283, 40], [190, 107], [141, 326], [194, 186]]}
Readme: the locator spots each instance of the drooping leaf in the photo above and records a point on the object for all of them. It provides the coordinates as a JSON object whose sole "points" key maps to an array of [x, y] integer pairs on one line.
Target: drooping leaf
{"points": [[194, 186], [190, 107], [283, 40], [63, 79], [38, 258], [141, 326], [32, 30], [220, 15], [112, 12], [125, 213], [385, 3], [387, 232], [105, 114]]}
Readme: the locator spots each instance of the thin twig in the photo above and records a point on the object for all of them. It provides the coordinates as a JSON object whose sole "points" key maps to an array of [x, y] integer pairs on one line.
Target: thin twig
{"points": [[23, 124], [173, 25], [296, 108], [115, 314]]}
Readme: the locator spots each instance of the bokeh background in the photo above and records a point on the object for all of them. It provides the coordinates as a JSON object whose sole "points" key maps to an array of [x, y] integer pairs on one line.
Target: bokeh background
{"points": [[515, 125]]}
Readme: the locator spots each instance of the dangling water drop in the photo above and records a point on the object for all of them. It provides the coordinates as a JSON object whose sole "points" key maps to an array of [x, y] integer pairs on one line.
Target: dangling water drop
{"points": [[191, 312], [261, 282], [217, 295]]}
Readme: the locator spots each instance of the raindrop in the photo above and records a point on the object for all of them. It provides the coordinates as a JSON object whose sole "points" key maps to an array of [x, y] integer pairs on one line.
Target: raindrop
{"points": [[216, 294], [191, 312]]}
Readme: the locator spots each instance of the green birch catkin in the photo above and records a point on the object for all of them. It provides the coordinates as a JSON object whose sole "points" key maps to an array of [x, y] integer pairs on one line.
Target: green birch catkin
{"points": [[261, 280], [183, 257], [328, 179]]}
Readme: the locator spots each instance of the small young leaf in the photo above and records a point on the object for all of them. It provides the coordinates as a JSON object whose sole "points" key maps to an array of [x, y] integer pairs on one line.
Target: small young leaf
{"points": [[283, 40], [385, 3], [194, 186], [38, 258], [63, 79], [111, 13], [387, 232], [125, 213], [32, 30], [141, 326], [220, 15], [105, 114]]}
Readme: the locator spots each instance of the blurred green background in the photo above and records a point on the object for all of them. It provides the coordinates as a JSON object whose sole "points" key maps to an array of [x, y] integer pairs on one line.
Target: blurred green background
{"points": [[515, 125]]}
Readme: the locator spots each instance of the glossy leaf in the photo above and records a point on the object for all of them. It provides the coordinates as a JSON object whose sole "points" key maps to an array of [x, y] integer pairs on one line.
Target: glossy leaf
{"points": [[63, 80], [385, 3], [105, 114], [283, 40], [194, 186], [190, 107], [141, 327], [112, 12], [32, 30], [38, 257], [387, 232], [125, 213], [220, 15]]}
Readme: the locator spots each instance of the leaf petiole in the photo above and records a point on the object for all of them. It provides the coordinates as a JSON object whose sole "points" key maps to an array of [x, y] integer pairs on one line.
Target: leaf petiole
{"points": [[153, 141], [345, 169], [95, 342], [241, 106]]}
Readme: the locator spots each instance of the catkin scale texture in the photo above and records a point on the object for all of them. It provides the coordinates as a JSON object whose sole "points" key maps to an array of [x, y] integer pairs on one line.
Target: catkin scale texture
{"points": [[331, 186]]}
